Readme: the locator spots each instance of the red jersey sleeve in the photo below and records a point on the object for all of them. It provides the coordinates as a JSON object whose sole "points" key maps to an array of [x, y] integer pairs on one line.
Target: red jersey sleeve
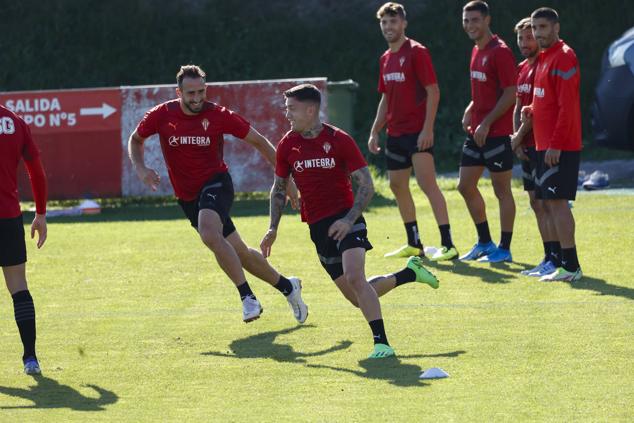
{"points": [[381, 87], [350, 153], [234, 124], [149, 124], [505, 67], [31, 156], [423, 66], [282, 166], [566, 76]]}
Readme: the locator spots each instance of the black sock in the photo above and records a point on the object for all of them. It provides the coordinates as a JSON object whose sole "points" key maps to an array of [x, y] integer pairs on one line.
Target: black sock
{"points": [[569, 260], [546, 250], [245, 291], [404, 276], [413, 236], [24, 311], [284, 286], [445, 236], [505, 240], [484, 236], [555, 253], [378, 331]]}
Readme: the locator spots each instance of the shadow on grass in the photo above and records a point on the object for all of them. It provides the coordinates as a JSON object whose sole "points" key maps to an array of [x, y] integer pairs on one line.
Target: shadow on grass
{"points": [[391, 369], [263, 345], [48, 393], [491, 273], [601, 287]]}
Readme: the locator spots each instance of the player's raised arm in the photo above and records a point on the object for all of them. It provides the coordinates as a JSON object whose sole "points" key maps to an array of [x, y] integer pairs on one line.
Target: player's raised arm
{"points": [[362, 197], [149, 177], [278, 201]]}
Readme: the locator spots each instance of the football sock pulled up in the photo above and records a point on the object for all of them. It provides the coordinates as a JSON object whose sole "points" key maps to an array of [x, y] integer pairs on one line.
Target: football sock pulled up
{"points": [[378, 331], [24, 311]]}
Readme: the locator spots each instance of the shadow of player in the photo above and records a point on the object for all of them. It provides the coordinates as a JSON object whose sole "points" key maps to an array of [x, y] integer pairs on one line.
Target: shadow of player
{"points": [[263, 345], [391, 369], [48, 393]]}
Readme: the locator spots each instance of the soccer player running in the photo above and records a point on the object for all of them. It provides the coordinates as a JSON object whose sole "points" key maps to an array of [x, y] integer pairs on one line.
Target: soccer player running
{"points": [[523, 143], [16, 144], [191, 133], [488, 121], [322, 159], [408, 105], [556, 118]]}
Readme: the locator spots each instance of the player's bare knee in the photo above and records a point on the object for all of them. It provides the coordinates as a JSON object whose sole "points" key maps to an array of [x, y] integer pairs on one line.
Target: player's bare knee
{"points": [[467, 190], [399, 187], [211, 239]]}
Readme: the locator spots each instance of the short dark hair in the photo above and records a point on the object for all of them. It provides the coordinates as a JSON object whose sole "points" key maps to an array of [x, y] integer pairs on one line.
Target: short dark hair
{"points": [[190, 71], [522, 25], [546, 13], [477, 6], [392, 9], [304, 92]]}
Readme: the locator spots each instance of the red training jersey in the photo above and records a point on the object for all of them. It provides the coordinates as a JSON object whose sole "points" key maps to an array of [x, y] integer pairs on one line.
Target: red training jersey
{"points": [[321, 169], [492, 70], [16, 144], [403, 76], [556, 104], [192, 145], [525, 77]]}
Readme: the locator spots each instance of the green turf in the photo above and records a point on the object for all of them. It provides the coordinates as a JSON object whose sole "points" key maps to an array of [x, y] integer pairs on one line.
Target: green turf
{"points": [[137, 323]]}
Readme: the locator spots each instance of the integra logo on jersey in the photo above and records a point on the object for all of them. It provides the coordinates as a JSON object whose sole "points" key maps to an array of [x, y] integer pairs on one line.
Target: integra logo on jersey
{"points": [[199, 141], [7, 126], [394, 76], [539, 92], [524, 88], [480, 76], [323, 163]]}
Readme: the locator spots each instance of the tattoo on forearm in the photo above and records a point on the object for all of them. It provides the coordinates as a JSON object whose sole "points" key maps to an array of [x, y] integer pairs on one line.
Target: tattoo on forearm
{"points": [[363, 194], [278, 200]]}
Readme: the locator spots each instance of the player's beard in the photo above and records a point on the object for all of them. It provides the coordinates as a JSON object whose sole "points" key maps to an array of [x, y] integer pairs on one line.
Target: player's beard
{"points": [[192, 109]]}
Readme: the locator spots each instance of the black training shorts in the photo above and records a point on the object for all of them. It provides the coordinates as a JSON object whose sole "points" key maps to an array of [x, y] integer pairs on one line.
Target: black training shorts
{"points": [[496, 154], [399, 151], [217, 195], [12, 245], [529, 169], [330, 251], [558, 182]]}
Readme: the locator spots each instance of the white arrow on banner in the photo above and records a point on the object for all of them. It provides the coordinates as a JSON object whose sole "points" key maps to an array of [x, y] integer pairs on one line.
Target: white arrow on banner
{"points": [[105, 110]]}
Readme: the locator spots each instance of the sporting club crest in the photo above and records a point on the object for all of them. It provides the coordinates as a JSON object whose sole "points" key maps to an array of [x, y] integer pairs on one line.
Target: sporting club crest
{"points": [[484, 60], [327, 147], [205, 124], [401, 61]]}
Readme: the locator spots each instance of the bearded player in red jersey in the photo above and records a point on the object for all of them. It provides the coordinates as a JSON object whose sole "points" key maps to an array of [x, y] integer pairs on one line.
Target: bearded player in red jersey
{"points": [[408, 105], [523, 143], [556, 118], [16, 144], [191, 133], [322, 159], [488, 121]]}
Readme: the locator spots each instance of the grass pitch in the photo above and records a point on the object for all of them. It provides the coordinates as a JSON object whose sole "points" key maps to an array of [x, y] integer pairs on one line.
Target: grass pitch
{"points": [[136, 322]]}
